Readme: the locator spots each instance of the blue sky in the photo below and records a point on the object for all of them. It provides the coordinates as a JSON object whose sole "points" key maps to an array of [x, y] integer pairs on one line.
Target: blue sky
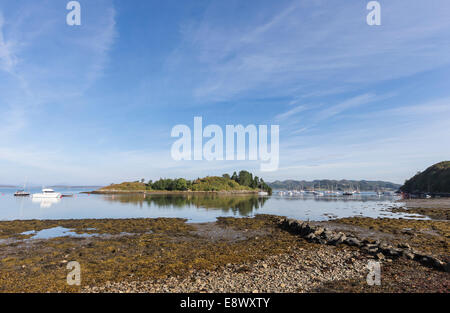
{"points": [[95, 104]]}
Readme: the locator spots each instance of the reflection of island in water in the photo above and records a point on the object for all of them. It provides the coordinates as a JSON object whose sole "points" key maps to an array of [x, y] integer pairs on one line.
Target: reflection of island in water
{"points": [[242, 204]]}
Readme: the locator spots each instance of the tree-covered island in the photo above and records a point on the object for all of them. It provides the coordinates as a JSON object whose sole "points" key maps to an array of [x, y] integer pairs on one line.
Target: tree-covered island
{"points": [[243, 181]]}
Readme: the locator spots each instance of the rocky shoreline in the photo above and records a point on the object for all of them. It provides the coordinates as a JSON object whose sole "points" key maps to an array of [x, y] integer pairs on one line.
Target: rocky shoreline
{"points": [[380, 249]]}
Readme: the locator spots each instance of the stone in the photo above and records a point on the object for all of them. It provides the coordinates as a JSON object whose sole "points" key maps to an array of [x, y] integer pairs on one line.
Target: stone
{"points": [[437, 263], [404, 246], [327, 234], [408, 255], [384, 246], [306, 229], [337, 239], [352, 242], [368, 241], [418, 256], [380, 256], [394, 252], [369, 250], [319, 231], [297, 226], [372, 246]]}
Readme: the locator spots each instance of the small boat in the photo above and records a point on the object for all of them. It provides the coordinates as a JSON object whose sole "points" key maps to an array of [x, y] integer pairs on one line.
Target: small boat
{"points": [[319, 193], [47, 193], [70, 195], [21, 193], [348, 193], [263, 193]]}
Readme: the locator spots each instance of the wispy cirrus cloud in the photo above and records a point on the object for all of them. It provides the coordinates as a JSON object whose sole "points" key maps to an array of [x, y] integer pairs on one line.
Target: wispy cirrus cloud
{"points": [[52, 61], [7, 57], [45, 66], [306, 45], [291, 112]]}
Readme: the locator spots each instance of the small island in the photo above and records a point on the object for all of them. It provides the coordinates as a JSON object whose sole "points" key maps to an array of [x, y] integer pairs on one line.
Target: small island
{"points": [[244, 182]]}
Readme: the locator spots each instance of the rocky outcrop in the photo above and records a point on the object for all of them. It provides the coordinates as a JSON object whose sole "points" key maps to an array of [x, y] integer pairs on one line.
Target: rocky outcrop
{"points": [[380, 250]]}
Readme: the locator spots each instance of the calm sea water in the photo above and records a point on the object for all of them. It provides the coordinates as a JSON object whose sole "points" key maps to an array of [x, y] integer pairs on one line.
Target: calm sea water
{"points": [[195, 208]]}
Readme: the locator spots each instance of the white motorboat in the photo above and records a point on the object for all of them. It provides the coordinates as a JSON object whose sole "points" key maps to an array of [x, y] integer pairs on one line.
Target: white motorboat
{"points": [[47, 193]]}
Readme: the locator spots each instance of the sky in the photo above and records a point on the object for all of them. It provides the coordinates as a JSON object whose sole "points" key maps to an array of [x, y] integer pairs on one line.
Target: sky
{"points": [[95, 104]]}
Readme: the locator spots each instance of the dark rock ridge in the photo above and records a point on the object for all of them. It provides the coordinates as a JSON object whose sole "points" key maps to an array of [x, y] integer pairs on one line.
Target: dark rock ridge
{"points": [[381, 250]]}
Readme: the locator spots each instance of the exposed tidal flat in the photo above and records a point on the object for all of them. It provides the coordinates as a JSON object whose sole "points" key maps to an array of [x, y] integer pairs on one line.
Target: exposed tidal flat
{"points": [[254, 254]]}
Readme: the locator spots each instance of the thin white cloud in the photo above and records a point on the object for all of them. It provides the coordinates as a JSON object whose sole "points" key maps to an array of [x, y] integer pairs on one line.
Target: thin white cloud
{"points": [[291, 112], [348, 104]]}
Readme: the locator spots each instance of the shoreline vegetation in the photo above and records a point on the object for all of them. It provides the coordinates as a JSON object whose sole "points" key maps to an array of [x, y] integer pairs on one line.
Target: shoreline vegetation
{"points": [[242, 183], [230, 255]]}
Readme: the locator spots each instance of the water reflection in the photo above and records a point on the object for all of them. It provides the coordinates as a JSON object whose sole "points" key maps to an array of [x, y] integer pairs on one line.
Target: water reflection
{"points": [[243, 205], [54, 233], [46, 202], [196, 208]]}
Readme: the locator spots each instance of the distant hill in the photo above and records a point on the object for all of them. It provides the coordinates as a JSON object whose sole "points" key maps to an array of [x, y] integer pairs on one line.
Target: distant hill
{"points": [[435, 179], [363, 185]]}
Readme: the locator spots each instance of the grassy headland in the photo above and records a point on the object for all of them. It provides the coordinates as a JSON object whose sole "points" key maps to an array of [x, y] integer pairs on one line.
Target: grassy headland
{"points": [[435, 179]]}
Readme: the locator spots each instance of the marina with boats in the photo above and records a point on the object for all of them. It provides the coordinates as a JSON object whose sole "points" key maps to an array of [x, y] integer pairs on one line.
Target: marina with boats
{"points": [[332, 193]]}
